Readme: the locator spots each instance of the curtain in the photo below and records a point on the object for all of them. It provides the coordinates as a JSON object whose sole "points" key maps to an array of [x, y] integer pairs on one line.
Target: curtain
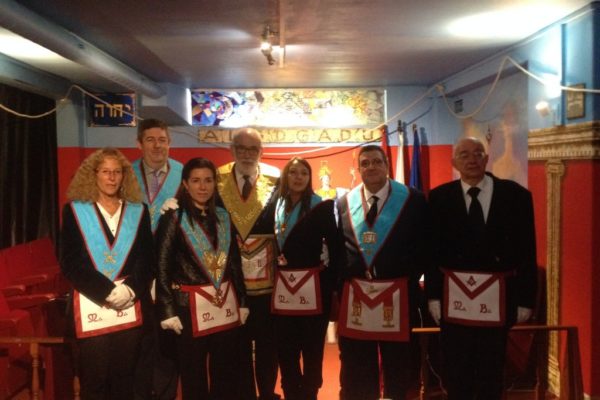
{"points": [[28, 169]]}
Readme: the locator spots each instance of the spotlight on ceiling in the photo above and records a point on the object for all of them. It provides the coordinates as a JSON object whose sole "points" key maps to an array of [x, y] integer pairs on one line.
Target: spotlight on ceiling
{"points": [[266, 47]]}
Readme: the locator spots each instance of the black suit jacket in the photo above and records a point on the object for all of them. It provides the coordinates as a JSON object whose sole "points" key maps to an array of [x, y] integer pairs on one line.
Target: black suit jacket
{"points": [[78, 267], [508, 242]]}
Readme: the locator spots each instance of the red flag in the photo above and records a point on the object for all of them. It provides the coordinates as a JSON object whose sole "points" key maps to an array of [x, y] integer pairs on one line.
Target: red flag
{"points": [[385, 146]]}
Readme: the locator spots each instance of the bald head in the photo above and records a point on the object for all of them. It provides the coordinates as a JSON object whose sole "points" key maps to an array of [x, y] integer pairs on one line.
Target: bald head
{"points": [[470, 159], [240, 134]]}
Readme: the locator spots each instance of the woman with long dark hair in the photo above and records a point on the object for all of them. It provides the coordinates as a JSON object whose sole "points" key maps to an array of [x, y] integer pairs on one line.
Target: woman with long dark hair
{"points": [[303, 287], [200, 289]]}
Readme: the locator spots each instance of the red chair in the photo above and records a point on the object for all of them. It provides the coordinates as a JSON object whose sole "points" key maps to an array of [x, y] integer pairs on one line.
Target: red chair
{"points": [[24, 316], [14, 358], [43, 260], [6, 287], [18, 267]]}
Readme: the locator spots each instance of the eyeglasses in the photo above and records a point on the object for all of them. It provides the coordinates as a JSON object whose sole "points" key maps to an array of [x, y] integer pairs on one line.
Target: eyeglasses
{"points": [[375, 162], [465, 155], [108, 172], [250, 150]]}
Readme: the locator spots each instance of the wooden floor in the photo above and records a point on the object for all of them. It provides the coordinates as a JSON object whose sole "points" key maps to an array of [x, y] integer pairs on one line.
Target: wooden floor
{"points": [[330, 389]]}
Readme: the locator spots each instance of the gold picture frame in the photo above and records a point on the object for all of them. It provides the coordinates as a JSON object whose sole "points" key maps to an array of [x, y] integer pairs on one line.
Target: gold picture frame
{"points": [[576, 102]]}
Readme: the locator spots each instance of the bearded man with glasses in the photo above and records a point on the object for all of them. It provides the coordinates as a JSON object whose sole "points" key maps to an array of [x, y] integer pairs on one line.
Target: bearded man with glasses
{"points": [[246, 187]]}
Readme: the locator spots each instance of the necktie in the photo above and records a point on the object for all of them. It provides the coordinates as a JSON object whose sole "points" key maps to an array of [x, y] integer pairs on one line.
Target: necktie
{"points": [[247, 188], [155, 184], [476, 220], [372, 211]]}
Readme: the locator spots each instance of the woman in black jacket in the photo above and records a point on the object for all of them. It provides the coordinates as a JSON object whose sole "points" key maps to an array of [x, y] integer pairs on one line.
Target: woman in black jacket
{"points": [[106, 254], [301, 300], [200, 288]]}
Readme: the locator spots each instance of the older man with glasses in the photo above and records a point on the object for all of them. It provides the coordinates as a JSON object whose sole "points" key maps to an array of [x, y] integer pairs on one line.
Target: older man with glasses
{"points": [[246, 187]]}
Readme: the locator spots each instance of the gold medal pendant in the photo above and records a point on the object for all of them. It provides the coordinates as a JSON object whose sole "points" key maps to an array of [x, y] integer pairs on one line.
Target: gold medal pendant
{"points": [[281, 261], [217, 299], [369, 237]]}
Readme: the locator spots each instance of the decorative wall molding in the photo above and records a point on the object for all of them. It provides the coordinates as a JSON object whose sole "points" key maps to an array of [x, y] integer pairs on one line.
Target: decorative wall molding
{"points": [[555, 146], [555, 170], [567, 142]]}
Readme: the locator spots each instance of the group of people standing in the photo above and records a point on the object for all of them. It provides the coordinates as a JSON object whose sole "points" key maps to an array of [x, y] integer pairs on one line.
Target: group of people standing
{"points": [[217, 277]]}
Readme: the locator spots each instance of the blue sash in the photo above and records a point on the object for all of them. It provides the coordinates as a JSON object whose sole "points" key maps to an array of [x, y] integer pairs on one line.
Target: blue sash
{"points": [[370, 239], [283, 223], [107, 259], [167, 189], [212, 261]]}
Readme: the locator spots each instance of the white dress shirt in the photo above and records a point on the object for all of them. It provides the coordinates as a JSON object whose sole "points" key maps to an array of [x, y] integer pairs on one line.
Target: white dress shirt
{"points": [[382, 196], [111, 220]]}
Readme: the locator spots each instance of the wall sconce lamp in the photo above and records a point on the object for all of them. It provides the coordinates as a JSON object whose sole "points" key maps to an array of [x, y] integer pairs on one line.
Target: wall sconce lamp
{"points": [[544, 109], [266, 47]]}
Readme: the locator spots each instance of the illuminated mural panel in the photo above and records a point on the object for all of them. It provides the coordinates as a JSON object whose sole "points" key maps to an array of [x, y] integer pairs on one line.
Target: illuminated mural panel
{"points": [[287, 108]]}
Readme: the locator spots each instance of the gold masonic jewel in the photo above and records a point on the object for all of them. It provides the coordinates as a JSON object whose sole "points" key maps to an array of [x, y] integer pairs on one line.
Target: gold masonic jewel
{"points": [[218, 299], [215, 264], [109, 257], [369, 237]]}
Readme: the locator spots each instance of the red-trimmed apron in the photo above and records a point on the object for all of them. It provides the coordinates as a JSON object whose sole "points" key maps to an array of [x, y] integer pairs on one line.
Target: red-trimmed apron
{"points": [[297, 292], [212, 310], [475, 298], [92, 319], [375, 310]]}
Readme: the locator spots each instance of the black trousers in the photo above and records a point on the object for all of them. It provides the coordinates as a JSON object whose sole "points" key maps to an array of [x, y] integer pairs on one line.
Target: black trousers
{"points": [[301, 336], [260, 329], [156, 371], [360, 369], [473, 360], [107, 364], [208, 365]]}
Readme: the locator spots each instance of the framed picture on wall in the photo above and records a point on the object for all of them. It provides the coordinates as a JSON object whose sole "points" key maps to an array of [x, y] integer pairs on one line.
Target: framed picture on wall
{"points": [[576, 102]]}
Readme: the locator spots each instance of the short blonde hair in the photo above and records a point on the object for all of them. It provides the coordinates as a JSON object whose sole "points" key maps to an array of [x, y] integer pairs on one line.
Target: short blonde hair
{"points": [[83, 187]]}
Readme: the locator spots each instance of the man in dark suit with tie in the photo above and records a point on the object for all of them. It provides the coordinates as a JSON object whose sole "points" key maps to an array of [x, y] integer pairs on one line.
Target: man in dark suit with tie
{"points": [[483, 278], [384, 226]]}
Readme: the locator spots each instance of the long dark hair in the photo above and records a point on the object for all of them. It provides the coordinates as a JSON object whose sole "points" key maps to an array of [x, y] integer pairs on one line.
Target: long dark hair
{"points": [[284, 187], [183, 196]]}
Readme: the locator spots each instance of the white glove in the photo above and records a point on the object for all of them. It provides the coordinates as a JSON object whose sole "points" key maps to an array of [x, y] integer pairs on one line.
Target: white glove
{"points": [[435, 309], [129, 304], [523, 314], [120, 296], [244, 312], [169, 204], [173, 323]]}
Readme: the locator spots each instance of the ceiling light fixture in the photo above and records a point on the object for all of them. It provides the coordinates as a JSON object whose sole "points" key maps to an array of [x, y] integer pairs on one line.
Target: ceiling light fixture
{"points": [[266, 47]]}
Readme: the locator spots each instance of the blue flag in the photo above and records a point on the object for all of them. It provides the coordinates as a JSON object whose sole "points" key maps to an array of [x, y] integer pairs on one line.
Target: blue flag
{"points": [[415, 165]]}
